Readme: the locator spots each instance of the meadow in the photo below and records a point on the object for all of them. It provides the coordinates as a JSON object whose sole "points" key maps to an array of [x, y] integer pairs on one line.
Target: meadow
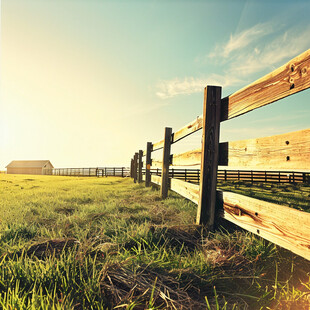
{"points": [[296, 195], [107, 243]]}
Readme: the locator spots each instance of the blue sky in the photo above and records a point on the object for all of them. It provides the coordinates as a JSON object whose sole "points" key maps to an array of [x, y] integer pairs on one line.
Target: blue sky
{"points": [[88, 83]]}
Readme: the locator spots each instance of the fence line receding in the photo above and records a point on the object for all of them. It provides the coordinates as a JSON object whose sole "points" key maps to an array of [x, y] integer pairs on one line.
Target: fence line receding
{"points": [[282, 225]]}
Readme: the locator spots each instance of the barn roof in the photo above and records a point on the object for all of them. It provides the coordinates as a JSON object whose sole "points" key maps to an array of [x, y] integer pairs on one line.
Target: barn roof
{"points": [[28, 164]]}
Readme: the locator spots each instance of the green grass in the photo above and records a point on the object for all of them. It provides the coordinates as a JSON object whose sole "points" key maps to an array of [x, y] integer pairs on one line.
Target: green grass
{"points": [[101, 243], [292, 195]]}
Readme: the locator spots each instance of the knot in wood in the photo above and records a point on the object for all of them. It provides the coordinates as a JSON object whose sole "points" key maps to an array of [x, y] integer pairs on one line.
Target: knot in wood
{"points": [[304, 71]]}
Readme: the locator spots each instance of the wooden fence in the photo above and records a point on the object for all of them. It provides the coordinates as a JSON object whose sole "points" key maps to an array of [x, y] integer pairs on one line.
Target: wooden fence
{"points": [[252, 176], [90, 172], [282, 225]]}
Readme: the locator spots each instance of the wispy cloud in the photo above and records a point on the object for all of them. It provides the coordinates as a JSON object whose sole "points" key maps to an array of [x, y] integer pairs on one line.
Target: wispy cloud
{"points": [[190, 85], [241, 40], [280, 49], [244, 54]]}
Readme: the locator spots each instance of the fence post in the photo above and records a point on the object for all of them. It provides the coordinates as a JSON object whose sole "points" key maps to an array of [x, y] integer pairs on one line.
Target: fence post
{"points": [[131, 168], [135, 164], [166, 163], [149, 147], [209, 155], [122, 172], [140, 165]]}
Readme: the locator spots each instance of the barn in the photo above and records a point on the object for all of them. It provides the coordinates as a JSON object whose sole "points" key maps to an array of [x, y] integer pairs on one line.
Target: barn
{"points": [[28, 166]]}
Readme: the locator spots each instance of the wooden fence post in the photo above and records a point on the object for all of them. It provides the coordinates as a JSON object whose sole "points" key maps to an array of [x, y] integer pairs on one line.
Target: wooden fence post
{"points": [[166, 163], [140, 166], [131, 168], [135, 165], [209, 156], [148, 164]]}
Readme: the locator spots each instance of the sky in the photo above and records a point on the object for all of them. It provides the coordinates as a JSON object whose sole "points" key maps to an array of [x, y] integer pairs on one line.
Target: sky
{"points": [[86, 83]]}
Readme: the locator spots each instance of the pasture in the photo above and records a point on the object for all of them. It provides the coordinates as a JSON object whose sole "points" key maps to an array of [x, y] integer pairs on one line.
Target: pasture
{"points": [[101, 243]]}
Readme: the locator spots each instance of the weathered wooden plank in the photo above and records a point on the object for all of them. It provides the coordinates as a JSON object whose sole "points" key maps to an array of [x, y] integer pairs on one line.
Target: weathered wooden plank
{"points": [[158, 145], [281, 225], [288, 79], [193, 157], [209, 156], [166, 163], [190, 158], [148, 164], [156, 179], [187, 129], [286, 151], [185, 189], [180, 134]]}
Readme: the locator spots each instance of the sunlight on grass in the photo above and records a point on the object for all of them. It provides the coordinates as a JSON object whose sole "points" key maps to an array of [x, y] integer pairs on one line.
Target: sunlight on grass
{"points": [[99, 243]]}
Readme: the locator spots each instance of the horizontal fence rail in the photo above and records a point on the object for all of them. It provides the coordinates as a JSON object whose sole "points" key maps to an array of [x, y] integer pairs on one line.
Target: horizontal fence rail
{"points": [[252, 160], [193, 175], [90, 172]]}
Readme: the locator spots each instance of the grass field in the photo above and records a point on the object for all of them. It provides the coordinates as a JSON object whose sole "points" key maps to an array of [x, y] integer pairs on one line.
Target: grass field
{"points": [[287, 194], [104, 243]]}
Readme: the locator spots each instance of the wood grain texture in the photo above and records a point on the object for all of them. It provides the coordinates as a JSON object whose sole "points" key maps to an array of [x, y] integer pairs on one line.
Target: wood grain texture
{"points": [[209, 156], [148, 164], [187, 129], [190, 158], [166, 163], [287, 151], [158, 145], [288, 79], [185, 189], [193, 157], [180, 134], [281, 225]]}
